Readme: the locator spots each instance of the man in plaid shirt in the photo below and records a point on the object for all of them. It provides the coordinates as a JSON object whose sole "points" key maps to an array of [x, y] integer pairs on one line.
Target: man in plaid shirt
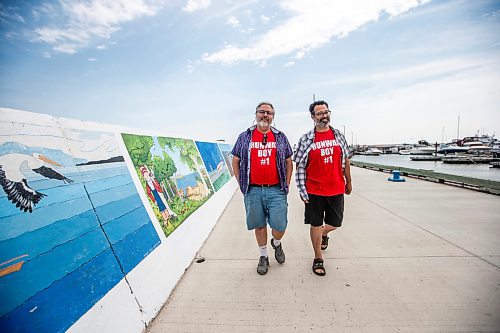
{"points": [[323, 176], [262, 163]]}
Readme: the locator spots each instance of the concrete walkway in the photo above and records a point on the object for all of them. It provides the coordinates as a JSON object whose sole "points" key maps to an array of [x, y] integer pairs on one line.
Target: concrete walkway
{"points": [[410, 257]]}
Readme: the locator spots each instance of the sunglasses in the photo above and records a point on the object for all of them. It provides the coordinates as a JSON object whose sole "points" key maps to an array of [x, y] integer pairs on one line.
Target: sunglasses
{"points": [[264, 140]]}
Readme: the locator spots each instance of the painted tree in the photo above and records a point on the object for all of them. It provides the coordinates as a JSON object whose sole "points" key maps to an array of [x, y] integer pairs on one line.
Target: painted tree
{"points": [[189, 154], [139, 148], [164, 168]]}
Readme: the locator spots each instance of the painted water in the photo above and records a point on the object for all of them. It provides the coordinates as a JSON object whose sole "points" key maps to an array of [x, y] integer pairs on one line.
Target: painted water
{"points": [[480, 171], [78, 243]]}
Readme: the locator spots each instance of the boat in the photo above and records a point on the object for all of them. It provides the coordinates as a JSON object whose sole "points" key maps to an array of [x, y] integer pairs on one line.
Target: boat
{"points": [[422, 150], [484, 139], [371, 152], [494, 164], [477, 147], [13, 265], [394, 150], [495, 150], [452, 148]]}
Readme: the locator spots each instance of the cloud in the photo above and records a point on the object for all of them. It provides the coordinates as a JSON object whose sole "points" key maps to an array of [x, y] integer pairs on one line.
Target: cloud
{"points": [[233, 21], [194, 5], [312, 25], [434, 93], [434, 105], [87, 20], [9, 14], [430, 71], [264, 18]]}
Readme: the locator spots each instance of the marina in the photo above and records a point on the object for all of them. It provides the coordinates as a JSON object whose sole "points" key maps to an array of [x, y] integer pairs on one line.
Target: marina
{"points": [[482, 171], [482, 185], [470, 147]]}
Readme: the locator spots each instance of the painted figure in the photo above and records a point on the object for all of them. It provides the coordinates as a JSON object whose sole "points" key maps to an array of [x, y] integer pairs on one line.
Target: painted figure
{"points": [[323, 176], [262, 165], [155, 193]]}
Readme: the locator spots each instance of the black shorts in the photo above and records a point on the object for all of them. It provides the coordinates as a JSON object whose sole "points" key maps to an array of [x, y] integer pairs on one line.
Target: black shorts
{"points": [[330, 209]]}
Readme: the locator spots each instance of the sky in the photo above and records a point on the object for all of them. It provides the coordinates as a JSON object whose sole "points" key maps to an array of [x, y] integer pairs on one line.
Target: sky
{"points": [[392, 71]]}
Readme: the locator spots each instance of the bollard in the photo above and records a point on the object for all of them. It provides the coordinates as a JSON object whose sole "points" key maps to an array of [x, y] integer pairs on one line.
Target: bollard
{"points": [[395, 176]]}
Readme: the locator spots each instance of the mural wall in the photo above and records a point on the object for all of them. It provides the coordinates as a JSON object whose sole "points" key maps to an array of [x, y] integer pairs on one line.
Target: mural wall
{"points": [[172, 174], [72, 223], [228, 157], [215, 164]]}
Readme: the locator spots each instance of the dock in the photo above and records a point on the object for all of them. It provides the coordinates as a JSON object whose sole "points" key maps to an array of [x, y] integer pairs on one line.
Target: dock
{"points": [[417, 256], [494, 164], [483, 185], [426, 158], [460, 159]]}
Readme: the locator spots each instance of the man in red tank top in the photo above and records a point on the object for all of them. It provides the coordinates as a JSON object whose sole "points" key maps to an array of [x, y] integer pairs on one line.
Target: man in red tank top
{"points": [[323, 176]]}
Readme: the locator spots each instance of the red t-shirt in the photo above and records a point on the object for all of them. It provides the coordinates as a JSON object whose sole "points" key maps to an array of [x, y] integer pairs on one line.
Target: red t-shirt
{"points": [[324, 174], [263, 169]]}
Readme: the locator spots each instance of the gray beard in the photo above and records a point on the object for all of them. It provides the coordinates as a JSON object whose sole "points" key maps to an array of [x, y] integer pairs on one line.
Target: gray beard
{"points": [[263, 123]]}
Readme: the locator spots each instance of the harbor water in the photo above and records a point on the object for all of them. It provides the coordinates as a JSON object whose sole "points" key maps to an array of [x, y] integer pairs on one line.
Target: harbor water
{"points": [[480, 171]]}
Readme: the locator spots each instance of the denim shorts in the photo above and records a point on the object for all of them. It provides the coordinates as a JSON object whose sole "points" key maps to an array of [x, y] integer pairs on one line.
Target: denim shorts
{"points": [[266, 205]]}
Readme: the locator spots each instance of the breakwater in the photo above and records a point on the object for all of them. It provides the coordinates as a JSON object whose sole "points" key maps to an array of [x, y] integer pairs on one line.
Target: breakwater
{"points": [[483, 185]]}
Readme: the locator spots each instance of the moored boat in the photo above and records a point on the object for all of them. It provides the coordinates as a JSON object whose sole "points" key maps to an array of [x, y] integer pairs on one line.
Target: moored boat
{"points": [[452, 149], [423, 150], [371, 152]]}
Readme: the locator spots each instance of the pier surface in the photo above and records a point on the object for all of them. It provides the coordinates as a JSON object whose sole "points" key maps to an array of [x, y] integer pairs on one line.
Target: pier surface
{"points": [[410, 257]]}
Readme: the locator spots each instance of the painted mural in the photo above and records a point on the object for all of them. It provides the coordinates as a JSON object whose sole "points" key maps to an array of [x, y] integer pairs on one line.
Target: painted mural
{"points": [[72, 223], [172, 174], [225, 149], [214, 162]]}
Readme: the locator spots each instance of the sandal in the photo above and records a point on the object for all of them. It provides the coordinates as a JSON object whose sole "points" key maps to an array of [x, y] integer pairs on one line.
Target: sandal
{"points": [[324, 242], [318, 267]]}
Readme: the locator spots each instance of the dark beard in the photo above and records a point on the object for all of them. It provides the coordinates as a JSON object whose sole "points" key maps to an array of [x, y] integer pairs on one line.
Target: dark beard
{"points": [[322, 124]]}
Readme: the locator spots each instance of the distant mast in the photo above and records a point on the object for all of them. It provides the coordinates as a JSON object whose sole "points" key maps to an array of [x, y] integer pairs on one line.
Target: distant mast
{"points": [[458, 128]]}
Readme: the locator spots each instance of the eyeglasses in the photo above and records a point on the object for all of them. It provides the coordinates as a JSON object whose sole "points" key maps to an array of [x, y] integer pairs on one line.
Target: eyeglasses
{"points": [[323, 113], [264, 139], [263, 112]]}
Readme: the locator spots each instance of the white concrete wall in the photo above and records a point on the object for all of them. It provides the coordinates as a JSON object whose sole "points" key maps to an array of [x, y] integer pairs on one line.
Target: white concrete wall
{"points": [[131, 304]]}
